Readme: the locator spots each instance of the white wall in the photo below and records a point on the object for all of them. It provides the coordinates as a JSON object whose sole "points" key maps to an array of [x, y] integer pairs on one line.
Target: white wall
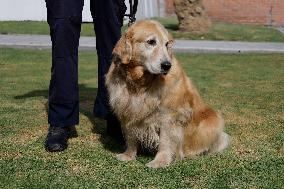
{"points": [[30, 10], [36, 10], [22, 10], [147, 9]]}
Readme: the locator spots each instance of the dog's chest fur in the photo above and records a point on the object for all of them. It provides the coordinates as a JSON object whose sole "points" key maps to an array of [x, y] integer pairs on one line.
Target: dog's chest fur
{"points": [[139, 113]]}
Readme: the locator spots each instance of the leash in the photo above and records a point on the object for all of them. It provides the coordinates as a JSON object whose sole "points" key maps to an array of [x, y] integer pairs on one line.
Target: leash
{"points": [[132, 12]]}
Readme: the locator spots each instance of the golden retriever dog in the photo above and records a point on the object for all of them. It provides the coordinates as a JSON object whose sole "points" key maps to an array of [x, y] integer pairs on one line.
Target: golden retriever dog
{"points": [[156, 103]]}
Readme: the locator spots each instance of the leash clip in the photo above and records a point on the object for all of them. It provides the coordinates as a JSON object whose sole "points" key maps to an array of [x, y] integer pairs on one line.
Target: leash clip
{"points": [[131, 21], [132, 12]]}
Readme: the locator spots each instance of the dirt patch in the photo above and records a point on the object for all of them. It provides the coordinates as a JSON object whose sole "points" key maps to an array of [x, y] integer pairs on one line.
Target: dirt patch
{"points": [[76, 166], [245, 117], [90, 140], [13, 155], [28, 135]]}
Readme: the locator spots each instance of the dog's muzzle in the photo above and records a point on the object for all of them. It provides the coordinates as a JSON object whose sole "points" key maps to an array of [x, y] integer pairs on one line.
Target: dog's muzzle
{"points": [[165, 67]]}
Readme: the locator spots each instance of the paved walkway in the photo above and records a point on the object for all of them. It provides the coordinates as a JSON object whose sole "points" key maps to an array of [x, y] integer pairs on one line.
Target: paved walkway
{"points": [[88, 43]]}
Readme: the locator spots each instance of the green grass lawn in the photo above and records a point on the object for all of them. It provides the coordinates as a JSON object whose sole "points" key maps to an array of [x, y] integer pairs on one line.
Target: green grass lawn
{"points": [[247, 88], [219, 31]]}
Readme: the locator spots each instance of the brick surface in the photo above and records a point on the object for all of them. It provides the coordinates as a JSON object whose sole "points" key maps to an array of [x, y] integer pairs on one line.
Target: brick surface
{"points": [[267, 12]]}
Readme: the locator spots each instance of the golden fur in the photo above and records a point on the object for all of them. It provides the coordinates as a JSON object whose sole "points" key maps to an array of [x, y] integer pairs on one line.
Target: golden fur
{"points": [[160, 109]]}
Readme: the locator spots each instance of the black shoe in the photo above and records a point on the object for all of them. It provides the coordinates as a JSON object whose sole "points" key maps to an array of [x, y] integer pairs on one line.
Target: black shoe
{"points": [[57, 139], [72, 132]]}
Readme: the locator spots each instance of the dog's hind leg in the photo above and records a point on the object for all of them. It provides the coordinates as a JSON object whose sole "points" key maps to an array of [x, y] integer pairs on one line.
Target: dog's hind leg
{"points": [[221, 144], [206, 136]]}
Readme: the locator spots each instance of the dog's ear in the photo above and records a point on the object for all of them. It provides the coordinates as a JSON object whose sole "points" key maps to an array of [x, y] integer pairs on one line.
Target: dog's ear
{"points": [[122, 50]]}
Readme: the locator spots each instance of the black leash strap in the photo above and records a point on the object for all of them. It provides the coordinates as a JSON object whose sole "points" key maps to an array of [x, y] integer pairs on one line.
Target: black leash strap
{"points": [[133, 10]]}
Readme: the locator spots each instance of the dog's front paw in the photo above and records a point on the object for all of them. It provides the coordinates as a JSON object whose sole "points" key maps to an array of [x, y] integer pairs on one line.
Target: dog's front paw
{"points": [[157, 164], [125, 157]]}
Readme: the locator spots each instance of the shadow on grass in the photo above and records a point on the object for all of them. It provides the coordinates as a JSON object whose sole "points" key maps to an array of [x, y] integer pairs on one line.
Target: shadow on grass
{"points": [[87, 97]]}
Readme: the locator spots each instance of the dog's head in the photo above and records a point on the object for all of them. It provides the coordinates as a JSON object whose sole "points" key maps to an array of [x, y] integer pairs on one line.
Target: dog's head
{"points": [[146, 45]]}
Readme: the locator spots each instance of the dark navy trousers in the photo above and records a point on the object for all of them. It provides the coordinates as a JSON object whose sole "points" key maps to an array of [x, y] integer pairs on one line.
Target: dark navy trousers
{"points": [[64, 18]]}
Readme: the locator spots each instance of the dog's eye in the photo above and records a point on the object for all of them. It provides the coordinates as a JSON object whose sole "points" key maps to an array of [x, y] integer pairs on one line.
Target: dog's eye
{"points": [[152, 42]]}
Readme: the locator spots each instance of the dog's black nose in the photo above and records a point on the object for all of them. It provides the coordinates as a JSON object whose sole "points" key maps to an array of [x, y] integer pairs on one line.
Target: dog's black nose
{"points": [[166, 66]]}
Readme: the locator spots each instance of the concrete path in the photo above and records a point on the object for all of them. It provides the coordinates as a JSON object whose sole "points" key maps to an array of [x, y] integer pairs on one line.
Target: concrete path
{"points": [[88, 43]]}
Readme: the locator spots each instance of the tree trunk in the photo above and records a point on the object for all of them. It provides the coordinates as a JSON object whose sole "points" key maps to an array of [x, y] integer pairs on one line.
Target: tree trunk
{"points": [[191, 16]]}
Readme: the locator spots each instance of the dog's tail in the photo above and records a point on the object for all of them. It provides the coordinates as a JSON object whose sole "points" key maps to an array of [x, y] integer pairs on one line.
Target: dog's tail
{"points": [[221, 144]]}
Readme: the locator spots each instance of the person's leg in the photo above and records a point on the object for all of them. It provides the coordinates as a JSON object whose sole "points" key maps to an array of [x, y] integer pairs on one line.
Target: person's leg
{"points": [[107, 17], [64, 18]]}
